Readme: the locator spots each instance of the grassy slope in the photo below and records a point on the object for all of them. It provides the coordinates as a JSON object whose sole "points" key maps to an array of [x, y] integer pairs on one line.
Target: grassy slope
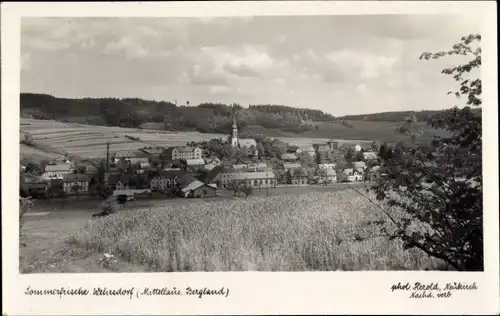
{"points": [[314, 231]]}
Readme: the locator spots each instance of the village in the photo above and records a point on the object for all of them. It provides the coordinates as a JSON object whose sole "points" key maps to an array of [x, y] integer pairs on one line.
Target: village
{"points": [[193, 171]]}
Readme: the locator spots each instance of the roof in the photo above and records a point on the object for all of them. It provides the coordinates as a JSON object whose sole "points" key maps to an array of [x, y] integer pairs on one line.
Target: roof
{"points": [[76, 177], [359, 164], [331, 172], [58, 167], [115, 178], [195, 185], [247, 142], [375, 168], [291, 165], [185, 149], [307, 148], [144, 165], [369, 154], [348, 171], [193, 162], [124, 154], [322, 165], [213, 173], [153, 151], [303, 172], [171, 173], [288, 157], [252, 175]]}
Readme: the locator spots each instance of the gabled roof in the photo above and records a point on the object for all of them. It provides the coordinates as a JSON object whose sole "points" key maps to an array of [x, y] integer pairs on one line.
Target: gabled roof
{"points": [[58, 168], [171, 173], [288, 157], [307, 148], [359, 164], [252, 175], [125, 154], [76, 177], [195, 162], [291, 165], [195, 185], [213, 173], [247, 142]]}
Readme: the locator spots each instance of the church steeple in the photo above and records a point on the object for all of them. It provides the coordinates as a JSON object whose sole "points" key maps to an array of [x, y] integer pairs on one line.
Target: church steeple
{"points": [[234, 136]]}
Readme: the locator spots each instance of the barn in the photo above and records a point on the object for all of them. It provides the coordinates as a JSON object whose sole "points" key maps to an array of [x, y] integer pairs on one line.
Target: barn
{"points": [[199, 189]]}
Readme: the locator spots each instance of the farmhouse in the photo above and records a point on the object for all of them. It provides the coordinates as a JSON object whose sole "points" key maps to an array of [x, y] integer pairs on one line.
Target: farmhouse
{"points": [[289, 157], [199, 189], [174, 153], [76, 181], [166, 179], [57, 171], [297, 176]]}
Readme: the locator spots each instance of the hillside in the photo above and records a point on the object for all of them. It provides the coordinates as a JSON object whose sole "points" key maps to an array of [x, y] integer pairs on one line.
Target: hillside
{"points": [[397, 116], [204, 117]]}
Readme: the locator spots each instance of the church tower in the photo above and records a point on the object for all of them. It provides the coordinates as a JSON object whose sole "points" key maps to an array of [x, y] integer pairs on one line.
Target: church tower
{"points": [[234, 136]]}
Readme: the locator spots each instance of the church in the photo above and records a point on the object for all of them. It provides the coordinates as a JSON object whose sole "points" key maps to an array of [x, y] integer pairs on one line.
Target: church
{"points": [[242, 142]]}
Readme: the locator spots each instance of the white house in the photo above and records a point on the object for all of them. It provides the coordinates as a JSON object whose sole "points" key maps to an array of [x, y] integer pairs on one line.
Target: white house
{"points": [[57, 171], [359, 165], [78, 179], [370, 155], [352, 175], [326, 166]]}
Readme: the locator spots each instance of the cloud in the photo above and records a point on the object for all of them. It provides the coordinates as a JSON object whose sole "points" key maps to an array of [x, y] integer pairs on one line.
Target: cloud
{"points": [[266, 59]]}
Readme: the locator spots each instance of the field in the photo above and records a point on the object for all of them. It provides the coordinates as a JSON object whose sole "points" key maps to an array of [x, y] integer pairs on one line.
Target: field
{"points": [[313, 231], [90, 141]]}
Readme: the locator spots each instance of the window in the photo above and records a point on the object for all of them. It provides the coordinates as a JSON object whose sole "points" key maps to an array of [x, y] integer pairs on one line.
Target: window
{"points": [[255, 182], [204, 192]]}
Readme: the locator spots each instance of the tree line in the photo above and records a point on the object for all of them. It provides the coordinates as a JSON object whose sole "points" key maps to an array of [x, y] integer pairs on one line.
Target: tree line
{"points": [[205, 117]]}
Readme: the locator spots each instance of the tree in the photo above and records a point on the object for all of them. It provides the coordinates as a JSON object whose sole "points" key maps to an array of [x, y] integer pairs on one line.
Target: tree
{"points": [[322, 175], [349, 155], [101, 170], [441, 191], [360, 156], [375, 146], [247, 190], [297, 173]]}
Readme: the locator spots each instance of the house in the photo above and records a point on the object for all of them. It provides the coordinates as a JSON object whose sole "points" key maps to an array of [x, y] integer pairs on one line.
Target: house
{"points": [[36, 188], [182, 152], [352, 175], [306, 149], [239, 166], [155, 152], [359, 165], [118, 181], [195, 162], [56, 171], [213, 175], [211, 163], [125, 154], [297, 176], [326, 166], [287, 166], [259, 179], [289, 157], [320, 148], [369, 155], [199, 189], [76, 180], [355, 147], [326, 175], [166, 179], [90, 169], [333, 144]]}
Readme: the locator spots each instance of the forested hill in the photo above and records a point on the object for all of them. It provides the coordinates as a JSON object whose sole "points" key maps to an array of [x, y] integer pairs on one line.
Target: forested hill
{"points": [[204, 117], [396, 116]]}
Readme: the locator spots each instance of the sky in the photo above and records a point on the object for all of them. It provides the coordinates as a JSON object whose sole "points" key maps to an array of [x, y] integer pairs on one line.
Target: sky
{"points": [[338, 64]]}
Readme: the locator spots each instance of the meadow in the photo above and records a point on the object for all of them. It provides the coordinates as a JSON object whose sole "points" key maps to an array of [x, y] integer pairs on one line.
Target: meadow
{"points": [[309, 232]]}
